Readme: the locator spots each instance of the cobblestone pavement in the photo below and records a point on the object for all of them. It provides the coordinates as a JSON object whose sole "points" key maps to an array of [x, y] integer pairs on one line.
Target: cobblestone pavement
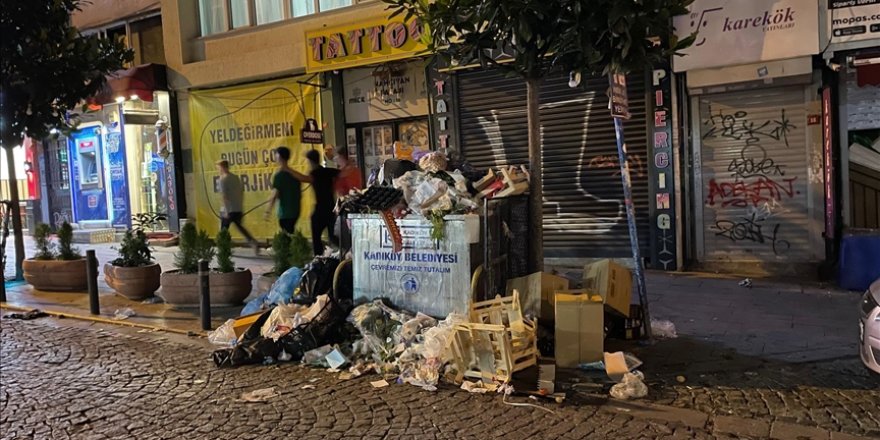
{"points": [[837, 395], [66, 379]]}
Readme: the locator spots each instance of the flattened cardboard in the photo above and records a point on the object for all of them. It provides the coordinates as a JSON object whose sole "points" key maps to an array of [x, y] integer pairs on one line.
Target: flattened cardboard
{"points": [[580, 332], [536, 293], [613, 282]]}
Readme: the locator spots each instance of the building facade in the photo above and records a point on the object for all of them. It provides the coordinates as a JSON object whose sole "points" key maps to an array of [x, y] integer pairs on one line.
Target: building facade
{"points": [[118, 169]]}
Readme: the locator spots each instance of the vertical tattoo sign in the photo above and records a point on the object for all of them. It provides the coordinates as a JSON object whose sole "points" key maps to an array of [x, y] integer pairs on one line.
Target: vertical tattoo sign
{"points": [[662, 206], [442, 121]]}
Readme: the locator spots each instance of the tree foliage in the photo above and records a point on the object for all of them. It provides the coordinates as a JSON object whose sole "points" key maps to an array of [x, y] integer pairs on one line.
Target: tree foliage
{"points": [[530, 38], [66, 250], [47, 68], [134, 250], [224, 252]]}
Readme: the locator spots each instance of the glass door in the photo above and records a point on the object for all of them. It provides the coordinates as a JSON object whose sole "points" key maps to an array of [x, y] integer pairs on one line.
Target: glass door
{"points": [[146, 175]]}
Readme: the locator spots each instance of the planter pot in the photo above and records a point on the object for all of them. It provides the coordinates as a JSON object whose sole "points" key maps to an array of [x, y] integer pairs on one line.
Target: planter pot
{"points": [[265, 282], [134, 283], [227, 289], [56, 275]]}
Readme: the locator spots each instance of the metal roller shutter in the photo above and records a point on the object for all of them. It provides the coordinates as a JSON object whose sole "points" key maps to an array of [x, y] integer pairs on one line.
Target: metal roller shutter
{"points": [[584, 214], [755, 176]]}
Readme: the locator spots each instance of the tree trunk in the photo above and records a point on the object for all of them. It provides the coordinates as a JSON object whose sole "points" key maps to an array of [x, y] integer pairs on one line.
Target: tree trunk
{"points": [[536, 183], [8, 144]]}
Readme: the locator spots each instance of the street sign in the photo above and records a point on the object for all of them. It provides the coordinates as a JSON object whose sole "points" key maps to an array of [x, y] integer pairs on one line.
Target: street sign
{"points": [[617, 99], [311, 134]]}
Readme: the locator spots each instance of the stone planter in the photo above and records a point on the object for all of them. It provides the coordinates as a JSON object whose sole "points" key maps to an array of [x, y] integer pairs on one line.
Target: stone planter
{"points": [[265, 282], [134, 283], [227, 289], [56, 275]]}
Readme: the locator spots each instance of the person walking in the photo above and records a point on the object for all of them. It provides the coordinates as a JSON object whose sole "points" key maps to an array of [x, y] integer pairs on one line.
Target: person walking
{"points": [[285, 191], [232, 211], [323, 181], [349, 178]]}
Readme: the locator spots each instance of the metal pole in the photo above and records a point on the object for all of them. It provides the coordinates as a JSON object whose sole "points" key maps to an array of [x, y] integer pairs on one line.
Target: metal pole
{"points": [[631, 222], [92, 280], [205, 294]]}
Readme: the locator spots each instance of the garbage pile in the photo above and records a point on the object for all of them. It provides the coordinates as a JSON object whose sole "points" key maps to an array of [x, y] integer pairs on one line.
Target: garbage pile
{"points": [[485, 348]]}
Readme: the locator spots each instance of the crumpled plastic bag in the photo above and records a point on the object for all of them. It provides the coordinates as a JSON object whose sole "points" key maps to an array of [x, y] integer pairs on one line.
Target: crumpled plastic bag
{"points": [[663, 329], [255, 305], [282, 320], [379, 325], [631, 387], [421, 362], [224, 335], [413, 327], [283, 288], [317, 357]]}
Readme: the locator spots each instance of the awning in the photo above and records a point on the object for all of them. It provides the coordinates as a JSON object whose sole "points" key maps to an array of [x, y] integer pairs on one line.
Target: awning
{"points": [[140, 81]]}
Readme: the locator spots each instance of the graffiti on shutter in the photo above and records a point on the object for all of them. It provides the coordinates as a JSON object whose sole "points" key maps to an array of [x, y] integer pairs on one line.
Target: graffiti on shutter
{"points": [[755, 176]]}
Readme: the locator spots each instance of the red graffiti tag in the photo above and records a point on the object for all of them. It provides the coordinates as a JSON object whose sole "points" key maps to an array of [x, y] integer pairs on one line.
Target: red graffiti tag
{"points": [[741, 194]]}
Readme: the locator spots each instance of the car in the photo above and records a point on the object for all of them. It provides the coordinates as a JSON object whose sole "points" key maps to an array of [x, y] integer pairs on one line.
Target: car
{"points": [[869, 327]]}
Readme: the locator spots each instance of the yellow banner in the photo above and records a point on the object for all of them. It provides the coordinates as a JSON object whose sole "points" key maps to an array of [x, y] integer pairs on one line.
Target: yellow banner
{"points": [[243, 125], [370, 41]]}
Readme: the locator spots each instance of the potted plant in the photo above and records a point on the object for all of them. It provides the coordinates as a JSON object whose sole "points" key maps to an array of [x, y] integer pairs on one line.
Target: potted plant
{"points": [[133, 275], [287, 251], [231, 282], [180, 287], [64, 270]]}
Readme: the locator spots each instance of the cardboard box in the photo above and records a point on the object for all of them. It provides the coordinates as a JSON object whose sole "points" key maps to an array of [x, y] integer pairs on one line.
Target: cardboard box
{"points": [[612, 281], [243, 323], [580, 330], [536, 293]]}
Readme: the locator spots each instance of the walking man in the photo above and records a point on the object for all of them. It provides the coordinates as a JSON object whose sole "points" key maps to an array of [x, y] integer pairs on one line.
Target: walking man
{"points": [[232, 212], [323, 182], [286, 191]]}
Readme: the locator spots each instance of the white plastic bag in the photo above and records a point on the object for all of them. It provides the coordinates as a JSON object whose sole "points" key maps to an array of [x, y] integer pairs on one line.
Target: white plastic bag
{"points": [[224, 335], [663, 329], [282, 320], [632, 387]]}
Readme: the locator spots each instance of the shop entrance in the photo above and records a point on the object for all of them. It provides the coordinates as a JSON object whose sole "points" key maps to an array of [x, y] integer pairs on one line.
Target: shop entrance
{"points": [[58, 182], [147, 185], [378, 141]]}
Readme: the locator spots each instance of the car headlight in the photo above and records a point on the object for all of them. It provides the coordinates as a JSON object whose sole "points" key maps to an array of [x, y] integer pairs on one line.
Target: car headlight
{"points": [[869, 304]]}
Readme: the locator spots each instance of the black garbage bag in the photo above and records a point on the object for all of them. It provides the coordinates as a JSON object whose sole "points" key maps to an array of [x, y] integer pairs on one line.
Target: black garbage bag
{"points": [[251, 348], [316, 280], [328, 327]]}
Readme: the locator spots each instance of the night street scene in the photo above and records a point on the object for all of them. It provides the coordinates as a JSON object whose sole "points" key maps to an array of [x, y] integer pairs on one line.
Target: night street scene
{"points": [[440, 219]]}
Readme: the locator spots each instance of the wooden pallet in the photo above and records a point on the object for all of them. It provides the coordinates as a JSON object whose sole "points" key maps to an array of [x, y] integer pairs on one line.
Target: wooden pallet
{"points": [[497, 343]]}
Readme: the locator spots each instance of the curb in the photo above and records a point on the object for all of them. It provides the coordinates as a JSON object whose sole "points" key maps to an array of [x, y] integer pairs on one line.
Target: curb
{"points": [[718, 424], [122, 323]]}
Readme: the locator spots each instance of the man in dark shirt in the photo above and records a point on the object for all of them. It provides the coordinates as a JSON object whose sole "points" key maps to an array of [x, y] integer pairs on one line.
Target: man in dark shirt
{"points": [[286, 191], [322, 180]]}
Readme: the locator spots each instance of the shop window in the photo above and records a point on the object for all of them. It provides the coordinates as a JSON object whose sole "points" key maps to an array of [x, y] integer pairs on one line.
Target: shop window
{"points": [[300, 8], [327, 5], [212, 14], [222, 15], [241, 13], [146, 40], [269, 11]]}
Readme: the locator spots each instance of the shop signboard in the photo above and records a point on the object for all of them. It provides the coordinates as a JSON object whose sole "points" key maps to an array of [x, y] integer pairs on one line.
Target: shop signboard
{"points": [[119, 200], [428, 276], [734, 32], [388, 92], [311, 134], [662, 172], [243, 125], [371, 41], [853, 20]]}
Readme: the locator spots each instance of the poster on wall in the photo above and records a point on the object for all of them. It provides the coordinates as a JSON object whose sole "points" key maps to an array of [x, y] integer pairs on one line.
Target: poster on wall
{"points": [[243, 125], [733, 32], [393, 91], [853, 20]]}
